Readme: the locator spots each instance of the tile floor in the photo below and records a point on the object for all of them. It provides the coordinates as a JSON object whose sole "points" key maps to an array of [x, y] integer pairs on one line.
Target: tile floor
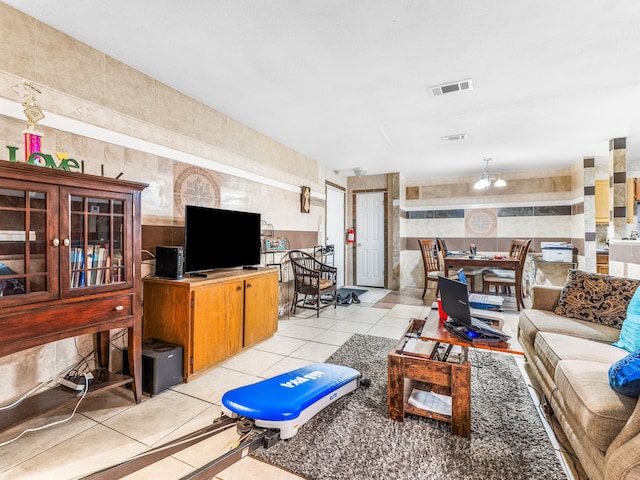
{"points": [[108, 427]]}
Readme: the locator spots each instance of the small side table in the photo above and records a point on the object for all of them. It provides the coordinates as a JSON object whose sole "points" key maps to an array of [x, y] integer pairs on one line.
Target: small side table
{"points": [[436, 372]]}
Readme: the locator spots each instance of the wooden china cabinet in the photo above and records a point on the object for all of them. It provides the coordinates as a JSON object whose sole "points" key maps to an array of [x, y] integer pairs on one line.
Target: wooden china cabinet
{"points": [[70, 262]]}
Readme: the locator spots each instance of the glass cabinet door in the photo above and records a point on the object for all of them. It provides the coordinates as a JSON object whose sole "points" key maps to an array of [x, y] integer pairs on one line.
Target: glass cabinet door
{"points": [[98, 231], [28, 250]]}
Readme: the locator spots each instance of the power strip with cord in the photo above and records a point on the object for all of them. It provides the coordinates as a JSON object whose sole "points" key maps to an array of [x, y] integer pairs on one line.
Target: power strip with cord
{"points": [[76, 382]]}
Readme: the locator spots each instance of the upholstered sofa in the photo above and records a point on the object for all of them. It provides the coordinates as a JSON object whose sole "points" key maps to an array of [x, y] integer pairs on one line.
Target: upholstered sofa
{"points": [[567, 336]]}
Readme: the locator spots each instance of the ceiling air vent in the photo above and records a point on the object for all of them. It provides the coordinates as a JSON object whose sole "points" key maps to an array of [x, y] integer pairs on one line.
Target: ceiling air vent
{"points": [[452, 87], [453, 138]]}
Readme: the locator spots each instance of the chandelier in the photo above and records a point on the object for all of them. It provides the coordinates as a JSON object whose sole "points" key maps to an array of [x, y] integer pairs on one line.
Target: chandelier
{"points": [[485, 180]]}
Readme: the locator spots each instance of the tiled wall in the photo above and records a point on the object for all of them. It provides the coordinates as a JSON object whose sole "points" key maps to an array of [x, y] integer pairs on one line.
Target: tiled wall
{"points": [[537, 204], [117, 121], [491, 229]]}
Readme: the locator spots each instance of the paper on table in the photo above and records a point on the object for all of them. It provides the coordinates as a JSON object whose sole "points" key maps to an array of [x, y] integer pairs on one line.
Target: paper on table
{"points": [[434, 402], [414, 345]]}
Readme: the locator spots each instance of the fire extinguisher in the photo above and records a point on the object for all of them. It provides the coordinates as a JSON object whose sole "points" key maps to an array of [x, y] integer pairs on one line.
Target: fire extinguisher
{"points": [[351, 235]]}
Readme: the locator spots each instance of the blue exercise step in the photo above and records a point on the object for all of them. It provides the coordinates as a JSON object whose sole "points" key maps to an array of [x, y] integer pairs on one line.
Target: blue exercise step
{"points": [[288, 401]]}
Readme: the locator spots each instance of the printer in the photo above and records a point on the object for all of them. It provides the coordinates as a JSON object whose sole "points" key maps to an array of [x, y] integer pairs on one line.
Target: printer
{"points": [[556, 251]]}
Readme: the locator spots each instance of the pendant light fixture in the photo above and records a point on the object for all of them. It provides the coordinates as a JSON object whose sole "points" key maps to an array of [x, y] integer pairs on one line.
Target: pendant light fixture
{"points": [[486, 179]]}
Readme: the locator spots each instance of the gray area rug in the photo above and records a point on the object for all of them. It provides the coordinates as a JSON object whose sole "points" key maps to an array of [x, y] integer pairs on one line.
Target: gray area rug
{"points": [[346, 291], [353, 438]]}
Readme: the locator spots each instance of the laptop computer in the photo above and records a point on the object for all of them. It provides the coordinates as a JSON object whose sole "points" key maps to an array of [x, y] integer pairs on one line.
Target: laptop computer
{"points": [[481, 300], [455, 301]]}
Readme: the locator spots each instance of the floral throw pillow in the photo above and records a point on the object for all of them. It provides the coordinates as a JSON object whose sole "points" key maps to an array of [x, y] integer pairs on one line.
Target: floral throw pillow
{"points": [[596, 298]]}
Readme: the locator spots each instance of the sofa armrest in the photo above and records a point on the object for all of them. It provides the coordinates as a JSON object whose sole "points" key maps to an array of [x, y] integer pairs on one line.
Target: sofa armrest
{"points": [[622, 460], [545, 297]]}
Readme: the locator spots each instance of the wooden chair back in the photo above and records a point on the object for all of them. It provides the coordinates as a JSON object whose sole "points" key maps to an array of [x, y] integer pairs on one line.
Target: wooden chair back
{"points": [[429, 251], [519, 249]]}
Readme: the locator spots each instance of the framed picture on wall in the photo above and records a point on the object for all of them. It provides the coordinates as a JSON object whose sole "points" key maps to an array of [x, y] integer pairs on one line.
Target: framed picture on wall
{"points": [[305, 199]]}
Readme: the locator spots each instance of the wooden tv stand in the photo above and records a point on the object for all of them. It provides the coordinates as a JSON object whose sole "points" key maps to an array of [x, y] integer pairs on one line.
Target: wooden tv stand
{"points": [[212, 318]]}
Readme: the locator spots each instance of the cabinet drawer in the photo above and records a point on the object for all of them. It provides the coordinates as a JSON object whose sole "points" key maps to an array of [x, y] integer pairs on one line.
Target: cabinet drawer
{"points": [[64, 320]]}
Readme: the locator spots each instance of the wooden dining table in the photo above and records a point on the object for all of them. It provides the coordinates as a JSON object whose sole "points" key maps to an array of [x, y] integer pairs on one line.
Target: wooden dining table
{"points": [[502, 262]]}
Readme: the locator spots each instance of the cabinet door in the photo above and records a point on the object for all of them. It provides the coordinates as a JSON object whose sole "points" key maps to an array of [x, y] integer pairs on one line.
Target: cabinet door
{"points": [[602, 201], [96, 248], [631, 199], [217, 323], [28, 242], [261, 308]]}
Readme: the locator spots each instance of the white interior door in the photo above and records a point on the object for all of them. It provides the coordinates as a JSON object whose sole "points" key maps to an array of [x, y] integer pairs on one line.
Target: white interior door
{"points": [[370, 239], [336, 228]]}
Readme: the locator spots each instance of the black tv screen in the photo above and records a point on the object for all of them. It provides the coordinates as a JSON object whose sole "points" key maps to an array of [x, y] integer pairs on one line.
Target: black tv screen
{"points": [[217, 238]]}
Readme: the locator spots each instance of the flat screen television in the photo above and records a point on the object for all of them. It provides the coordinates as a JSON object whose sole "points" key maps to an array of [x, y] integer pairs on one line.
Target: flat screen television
{"points": [[216, 238]]}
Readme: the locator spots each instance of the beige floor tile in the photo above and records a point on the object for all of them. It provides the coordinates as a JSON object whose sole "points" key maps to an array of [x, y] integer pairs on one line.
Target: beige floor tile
{"points": [[208, 449], [388, 321], [301, 332], [211, 385], [41, 439], [352, 327], [106, 404], [408, 311], [157, 417], [321, 322], [367, 315], [252, 361], [250, 468], [315, 352], [333, 337], [339, 312], [386, 331], [166, 469], [284, 323], [280, 345], [91, 450]]}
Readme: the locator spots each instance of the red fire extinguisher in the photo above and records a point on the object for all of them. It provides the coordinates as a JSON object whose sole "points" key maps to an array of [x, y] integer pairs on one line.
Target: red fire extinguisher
{"points": [[351, 235]]}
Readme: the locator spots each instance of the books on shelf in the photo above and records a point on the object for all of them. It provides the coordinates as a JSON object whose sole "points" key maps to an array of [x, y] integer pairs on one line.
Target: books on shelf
{"points": [[94, 266]]}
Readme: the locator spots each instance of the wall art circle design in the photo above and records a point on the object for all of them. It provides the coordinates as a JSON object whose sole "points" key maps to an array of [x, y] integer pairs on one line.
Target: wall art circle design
{"points": [[195, 186], [481, 223]]}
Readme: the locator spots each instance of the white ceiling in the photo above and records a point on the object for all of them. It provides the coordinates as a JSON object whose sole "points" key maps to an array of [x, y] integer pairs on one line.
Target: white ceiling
{"points": [[345, 82]]}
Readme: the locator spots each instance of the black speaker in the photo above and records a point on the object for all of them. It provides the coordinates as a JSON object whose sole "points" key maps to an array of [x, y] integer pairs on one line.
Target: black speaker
{"points": [[161, 365], [169, 262]]}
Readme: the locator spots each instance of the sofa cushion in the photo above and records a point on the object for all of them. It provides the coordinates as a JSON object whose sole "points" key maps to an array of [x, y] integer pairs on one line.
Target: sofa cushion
{"points": [[553, 347], [630, 331], [624, 375], [533, 321], [590, 403], [596, 298]]}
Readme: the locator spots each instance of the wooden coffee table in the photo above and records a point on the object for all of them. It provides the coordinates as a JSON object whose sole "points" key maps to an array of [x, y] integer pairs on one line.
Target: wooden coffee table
{"points": [[433, 364]]}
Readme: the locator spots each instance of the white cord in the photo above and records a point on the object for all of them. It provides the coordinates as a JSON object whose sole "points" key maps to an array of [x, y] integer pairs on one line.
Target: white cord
{"points": [[34, 389], [20, 399], [35, 429]]}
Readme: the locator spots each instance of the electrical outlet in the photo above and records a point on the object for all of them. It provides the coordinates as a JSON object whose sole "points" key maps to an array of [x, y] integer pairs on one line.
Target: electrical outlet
{"points": [[75, 383]]}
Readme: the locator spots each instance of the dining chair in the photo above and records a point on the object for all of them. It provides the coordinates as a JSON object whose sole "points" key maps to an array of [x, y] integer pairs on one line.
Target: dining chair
{"points": [[433, 267], [504, 279], [470, 273], [314, 282]]}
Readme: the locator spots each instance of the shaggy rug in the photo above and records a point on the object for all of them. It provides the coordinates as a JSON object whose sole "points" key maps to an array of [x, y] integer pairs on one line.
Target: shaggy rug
{"points": [[354, 439]]}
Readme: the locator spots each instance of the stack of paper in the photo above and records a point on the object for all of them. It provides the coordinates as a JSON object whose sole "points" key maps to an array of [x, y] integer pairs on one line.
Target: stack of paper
{"points": [[434, 402], [421, 347]]}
